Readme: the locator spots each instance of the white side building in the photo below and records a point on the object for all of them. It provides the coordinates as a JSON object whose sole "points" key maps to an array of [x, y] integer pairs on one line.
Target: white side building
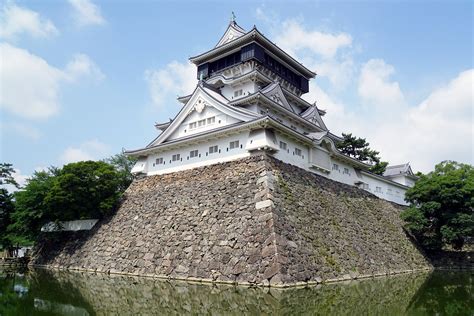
{"points": [[249, 98]]}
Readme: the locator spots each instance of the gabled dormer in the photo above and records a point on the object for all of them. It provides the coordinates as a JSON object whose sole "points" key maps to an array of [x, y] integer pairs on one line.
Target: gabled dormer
{"points": [[205, 110], [233, 32]]}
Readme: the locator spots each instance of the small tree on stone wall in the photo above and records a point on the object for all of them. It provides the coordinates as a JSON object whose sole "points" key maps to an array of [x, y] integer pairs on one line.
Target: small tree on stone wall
{"points": [[359, 149]]}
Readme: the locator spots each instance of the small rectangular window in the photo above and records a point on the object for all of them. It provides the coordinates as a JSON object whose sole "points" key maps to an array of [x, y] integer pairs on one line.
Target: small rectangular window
{"points": [[159, 161], [283, 145], [211, 120], [335, 166], [193, 153], [297, 152], [192, 125], [238, 93], [346, 171], [201, 123], [176, 157], [213, 149], [378, 189], [234, 144]]}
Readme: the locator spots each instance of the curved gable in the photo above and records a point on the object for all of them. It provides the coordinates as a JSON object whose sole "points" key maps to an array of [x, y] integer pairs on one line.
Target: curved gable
{"points": [[275, 93], [201, 99], [233, 31], [312, 114]]}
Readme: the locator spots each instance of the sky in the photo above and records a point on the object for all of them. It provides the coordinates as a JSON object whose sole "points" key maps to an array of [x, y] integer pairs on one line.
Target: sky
{"points": [[82, 79]]}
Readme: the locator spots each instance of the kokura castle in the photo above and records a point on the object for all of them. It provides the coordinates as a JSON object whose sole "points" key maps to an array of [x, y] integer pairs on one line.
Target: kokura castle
{"points": [[248, 100]]}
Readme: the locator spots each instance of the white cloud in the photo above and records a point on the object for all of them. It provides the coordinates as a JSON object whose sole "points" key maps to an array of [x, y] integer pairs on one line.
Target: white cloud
{"points": [[340, 72], [86, 13], [327, 53], [439, 128], [89, 150], [81, 65], [15, 20], [294, 37], [375, 86], [24, 130], [175, 79], [31, 87]]}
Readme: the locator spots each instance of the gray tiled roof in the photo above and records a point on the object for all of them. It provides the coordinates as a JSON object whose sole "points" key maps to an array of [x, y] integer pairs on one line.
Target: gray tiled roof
{"points": [[398, 169]]}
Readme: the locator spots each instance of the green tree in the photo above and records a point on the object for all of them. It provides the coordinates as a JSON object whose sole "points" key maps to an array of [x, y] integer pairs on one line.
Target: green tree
{"points": [[31, 211], [82, 190], [441, 206], [359, 149], [6, 202], [123, 164]]}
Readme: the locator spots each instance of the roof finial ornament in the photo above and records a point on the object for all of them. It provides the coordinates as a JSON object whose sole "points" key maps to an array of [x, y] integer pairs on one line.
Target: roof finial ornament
{"points": [[232, 18]]}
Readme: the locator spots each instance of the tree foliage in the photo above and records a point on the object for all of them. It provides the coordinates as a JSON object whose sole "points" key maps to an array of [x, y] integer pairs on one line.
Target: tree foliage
{"points": [[6, 202], [359, 149], [123, 164], [442, 204], [86, 189], [81, 190], [31, 211]]}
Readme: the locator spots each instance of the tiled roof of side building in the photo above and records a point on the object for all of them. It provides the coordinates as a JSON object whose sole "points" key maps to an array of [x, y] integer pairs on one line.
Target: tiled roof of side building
{"points": [[397, 170]]}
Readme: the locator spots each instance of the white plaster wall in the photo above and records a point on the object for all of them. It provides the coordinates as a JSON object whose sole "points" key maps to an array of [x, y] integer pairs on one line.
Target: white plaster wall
{"points": [[339, 175], [186, 162], [248, 87], [388, 191], [289, 155], [209, 111], [403, 180]]}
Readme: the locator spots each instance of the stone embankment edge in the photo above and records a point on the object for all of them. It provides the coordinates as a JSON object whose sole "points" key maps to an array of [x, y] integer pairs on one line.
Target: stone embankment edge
{"points": [[245, 284]]}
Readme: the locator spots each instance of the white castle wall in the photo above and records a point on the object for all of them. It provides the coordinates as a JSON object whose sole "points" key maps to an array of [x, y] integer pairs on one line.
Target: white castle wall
{"points": [[204, 157], [338, 170]]}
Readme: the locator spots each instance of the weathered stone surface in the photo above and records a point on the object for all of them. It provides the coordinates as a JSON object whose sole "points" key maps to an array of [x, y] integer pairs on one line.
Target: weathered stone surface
{"points": [[204, 224], [263, 204]]}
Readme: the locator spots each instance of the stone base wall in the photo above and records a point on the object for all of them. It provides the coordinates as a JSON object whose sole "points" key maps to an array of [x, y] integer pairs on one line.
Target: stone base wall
{"points": [[251, 221]]}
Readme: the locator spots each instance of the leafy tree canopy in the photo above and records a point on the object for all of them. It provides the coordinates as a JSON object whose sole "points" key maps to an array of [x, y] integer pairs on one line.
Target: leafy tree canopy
{"points": [[359, 149], [81, 190], [123, 165], [86, 189], [442, 204], [6, 202]]}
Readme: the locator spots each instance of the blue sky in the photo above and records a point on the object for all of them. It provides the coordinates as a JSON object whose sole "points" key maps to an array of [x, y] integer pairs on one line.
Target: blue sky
{"points": [[82, 79]]}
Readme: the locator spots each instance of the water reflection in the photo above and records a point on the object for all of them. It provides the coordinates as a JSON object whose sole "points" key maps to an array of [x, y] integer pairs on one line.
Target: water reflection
{"points": [[43, 292]]}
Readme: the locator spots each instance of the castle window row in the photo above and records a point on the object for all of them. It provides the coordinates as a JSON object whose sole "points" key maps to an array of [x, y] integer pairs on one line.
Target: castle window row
{"points": [[195, 153], [202, 123]]}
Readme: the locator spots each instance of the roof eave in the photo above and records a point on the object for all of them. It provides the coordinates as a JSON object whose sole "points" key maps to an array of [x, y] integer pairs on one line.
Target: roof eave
{"points": [[253, 35]]}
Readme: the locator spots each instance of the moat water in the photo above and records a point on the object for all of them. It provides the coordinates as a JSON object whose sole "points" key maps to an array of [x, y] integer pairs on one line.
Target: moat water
{"points": [[43, 292]]}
